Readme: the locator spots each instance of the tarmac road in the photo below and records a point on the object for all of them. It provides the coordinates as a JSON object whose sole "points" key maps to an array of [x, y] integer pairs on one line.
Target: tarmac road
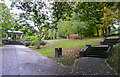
{"points": [[20, 60]]}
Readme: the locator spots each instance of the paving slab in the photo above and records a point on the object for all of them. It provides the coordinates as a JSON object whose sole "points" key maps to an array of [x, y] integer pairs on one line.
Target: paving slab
{"points": [[92, 66]]}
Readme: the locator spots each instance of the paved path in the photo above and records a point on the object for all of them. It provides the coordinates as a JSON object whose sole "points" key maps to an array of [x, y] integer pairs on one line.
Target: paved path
{"points": [[20, 60], [92, 66]]}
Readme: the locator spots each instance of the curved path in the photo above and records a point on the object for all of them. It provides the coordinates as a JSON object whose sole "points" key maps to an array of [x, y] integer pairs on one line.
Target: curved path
{"points": [[20, 60]]}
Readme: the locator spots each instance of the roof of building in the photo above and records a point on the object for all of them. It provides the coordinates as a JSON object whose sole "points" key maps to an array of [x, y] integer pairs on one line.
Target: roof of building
{"points": [[17, 32]]}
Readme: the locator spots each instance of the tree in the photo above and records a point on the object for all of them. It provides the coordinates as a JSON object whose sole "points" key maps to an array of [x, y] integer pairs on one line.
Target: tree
{"points": [[6, 19], [61, 14], [64, 28], [78, 25], [118, 16], [35, 13], [108, 19], [91, 13]]}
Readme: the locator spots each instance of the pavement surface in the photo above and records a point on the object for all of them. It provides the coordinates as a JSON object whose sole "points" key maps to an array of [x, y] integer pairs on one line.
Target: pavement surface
{"points": [[20, 60]]}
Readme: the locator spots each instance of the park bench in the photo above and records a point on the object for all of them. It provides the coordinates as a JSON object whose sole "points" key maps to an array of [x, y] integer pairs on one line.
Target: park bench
{"points": [[112, 41], [96, 51]]}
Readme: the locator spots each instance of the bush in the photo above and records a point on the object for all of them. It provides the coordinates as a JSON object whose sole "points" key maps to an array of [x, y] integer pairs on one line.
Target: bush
{"points": [[27, 43], [30, 38], [4, 41], [47, 38], [34, 42], [43, 43]]}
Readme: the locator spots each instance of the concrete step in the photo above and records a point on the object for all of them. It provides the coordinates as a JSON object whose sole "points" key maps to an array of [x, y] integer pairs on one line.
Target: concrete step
{"points": [[96, 51], [109, 41], [98, 56]]}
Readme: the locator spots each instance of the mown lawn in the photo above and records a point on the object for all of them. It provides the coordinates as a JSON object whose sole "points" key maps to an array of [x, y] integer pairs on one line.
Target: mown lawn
{"points": [[70, 49], [114, 59]]}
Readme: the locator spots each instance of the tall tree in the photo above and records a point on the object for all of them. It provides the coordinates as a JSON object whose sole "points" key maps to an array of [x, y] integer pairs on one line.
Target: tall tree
{"points": [[34, 12], [108, 19], [62, 13], [77, 25], [7, 21]]}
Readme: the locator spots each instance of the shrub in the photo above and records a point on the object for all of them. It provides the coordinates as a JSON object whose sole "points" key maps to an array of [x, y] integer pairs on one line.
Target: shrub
{"points": [[43, 43], [27, 38], [27, 43], [30, 38], [34, 42]]}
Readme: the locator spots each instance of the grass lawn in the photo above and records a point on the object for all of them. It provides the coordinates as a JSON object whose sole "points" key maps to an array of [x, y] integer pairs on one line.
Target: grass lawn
{"points": [[114, 59], [70, 49]]}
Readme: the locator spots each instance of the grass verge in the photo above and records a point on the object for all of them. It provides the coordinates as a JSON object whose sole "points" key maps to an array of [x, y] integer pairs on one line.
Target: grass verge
{"points": [[114, 59]]}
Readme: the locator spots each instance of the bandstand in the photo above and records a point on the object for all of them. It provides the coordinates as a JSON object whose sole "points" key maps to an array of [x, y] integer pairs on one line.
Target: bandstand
{"points": [[14, 35]]}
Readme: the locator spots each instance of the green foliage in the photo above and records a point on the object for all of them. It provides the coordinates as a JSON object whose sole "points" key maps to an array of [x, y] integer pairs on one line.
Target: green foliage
{"points": [[7, 21], [33, 40], [77, 24], [114, 60], [64, 27], [30, 38], [34, 43], [85, 15]]}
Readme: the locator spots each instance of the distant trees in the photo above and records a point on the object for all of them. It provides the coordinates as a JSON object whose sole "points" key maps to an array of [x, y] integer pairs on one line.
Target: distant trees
{"points": [[95, 17]]}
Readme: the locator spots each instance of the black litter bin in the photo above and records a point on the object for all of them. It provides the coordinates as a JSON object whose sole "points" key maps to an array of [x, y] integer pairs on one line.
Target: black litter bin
{"points": [[58, 52]]}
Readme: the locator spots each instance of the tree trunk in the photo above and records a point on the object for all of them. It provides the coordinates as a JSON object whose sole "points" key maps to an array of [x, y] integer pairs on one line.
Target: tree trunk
{"points": [[39, 41], [97, 32], [106, 32], [78, 34], [52, 34], [119, 32], [68, 36], [109, 29], [92, 34], [103, 32]]}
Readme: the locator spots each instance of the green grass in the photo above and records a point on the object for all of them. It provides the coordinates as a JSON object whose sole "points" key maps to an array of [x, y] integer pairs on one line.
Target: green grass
{"points": [[44, 50], [77, 43], [114, 60]]}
